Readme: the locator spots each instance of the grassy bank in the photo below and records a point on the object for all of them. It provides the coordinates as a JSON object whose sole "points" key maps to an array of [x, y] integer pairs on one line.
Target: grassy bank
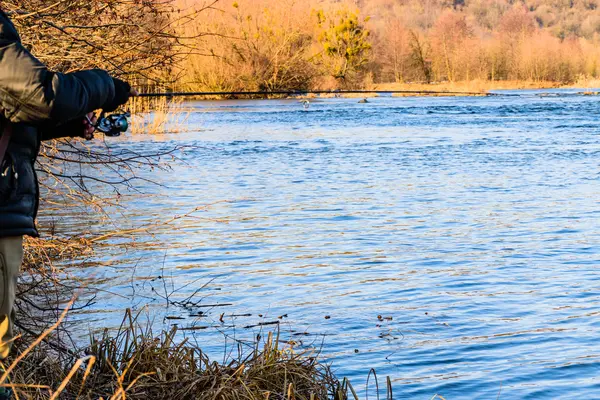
{"points": [[481, 86], [133, 362], [467, 88], [475, 86]]}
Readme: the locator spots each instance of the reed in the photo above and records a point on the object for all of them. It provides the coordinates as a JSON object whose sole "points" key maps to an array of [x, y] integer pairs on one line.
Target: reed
{"points": [[157, 115], [133, 363]]}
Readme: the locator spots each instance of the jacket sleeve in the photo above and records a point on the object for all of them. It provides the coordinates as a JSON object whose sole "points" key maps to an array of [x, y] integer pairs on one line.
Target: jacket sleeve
{"points": [[30, 93], [74, 128]]}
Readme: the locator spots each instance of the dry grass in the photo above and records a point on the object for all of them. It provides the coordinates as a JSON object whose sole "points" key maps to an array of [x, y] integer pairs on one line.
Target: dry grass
{"points": [[586, 82], [481, 86], [475, 86], [133, 363], [157, 115], [359, 95]]}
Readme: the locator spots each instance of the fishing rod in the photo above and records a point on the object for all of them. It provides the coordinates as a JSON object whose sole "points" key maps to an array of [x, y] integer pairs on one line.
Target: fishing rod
{"points": [[115, 124], [307, 92]]}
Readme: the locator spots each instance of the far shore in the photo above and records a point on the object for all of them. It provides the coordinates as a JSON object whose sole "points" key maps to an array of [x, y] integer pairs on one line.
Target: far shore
{"points": [[467, 88], [439, 89], [482, 87]]}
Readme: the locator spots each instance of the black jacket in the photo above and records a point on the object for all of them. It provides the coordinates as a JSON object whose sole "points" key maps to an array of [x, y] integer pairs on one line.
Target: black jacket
{"points": [[40, 105]]}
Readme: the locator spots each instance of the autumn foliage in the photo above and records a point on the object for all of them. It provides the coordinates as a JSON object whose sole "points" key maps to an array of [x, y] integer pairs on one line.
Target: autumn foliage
{"points": [[230, 45], [268, 44]]}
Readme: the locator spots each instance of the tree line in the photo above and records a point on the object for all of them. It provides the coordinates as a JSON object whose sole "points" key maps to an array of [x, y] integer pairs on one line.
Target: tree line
{"points": [[288, 44], [230, 45]]}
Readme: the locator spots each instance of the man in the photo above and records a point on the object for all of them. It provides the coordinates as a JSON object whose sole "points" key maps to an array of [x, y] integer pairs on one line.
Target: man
{"points": [[36, 104]]}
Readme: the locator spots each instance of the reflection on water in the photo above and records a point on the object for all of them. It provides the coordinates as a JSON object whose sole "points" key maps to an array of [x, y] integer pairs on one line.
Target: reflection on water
{"points": [[450, 243]]}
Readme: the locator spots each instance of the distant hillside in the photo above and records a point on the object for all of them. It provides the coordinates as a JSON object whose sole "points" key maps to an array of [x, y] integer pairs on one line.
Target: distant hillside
{"points": [[555, 40], [563, 18]]}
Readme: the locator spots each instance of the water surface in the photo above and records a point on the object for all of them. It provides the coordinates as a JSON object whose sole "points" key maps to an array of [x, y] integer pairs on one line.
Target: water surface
{"points": [[450, 243]]}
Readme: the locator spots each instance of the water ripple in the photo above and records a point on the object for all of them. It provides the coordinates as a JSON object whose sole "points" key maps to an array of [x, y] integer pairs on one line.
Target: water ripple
{"points": [[452, 243]]}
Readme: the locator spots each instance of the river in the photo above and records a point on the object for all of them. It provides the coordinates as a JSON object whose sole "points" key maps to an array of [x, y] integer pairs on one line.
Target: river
{"points": [[449, 243]]}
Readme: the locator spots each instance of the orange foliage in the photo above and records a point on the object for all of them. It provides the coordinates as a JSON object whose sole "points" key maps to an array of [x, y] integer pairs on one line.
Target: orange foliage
{"points": [[278, 43]]}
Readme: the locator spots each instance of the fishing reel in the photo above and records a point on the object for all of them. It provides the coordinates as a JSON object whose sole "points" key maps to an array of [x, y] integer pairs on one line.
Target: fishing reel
{"points": [[112, 125]]}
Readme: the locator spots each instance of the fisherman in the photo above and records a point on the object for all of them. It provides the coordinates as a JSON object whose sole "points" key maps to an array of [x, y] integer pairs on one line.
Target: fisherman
{"points": [[36, 104]]}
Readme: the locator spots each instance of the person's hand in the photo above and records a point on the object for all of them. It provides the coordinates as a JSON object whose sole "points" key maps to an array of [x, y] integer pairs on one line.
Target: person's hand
{"points": [[88, 126], [123, 91]]}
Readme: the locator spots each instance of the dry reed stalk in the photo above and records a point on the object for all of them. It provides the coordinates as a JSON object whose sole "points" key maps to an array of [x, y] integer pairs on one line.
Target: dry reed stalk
{"points": [[158, 116], [31, 347], [132, 363]]}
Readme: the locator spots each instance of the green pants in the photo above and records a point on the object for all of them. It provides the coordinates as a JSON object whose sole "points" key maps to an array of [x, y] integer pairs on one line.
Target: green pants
{"points": [[11, 257]]}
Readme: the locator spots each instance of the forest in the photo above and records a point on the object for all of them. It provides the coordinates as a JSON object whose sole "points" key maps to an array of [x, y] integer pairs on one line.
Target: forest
{"points": [[229, 45], [288, 44]]}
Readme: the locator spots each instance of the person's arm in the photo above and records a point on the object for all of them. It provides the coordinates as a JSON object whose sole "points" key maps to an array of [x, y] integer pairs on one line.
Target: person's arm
{"points": [[76, 128], [85, 127], [30, 93]]}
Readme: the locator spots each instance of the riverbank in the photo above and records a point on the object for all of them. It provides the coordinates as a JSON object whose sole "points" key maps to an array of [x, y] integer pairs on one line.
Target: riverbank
{"points": [[464, 88], [441, 89], [133, 362], [476, 86], [479, 86]]}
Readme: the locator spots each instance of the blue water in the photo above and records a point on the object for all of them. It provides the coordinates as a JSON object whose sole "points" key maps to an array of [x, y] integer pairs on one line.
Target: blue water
{"points": [[449, 243]]}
